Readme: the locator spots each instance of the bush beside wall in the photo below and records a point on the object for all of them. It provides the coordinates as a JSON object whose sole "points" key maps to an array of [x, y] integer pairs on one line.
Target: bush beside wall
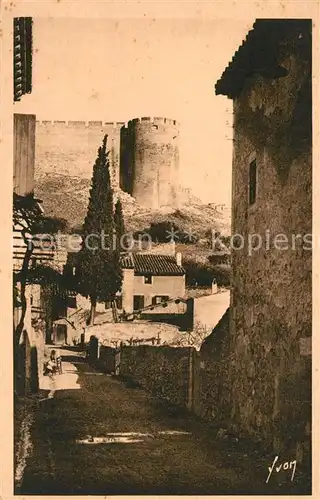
{"points": [[162, 371]]}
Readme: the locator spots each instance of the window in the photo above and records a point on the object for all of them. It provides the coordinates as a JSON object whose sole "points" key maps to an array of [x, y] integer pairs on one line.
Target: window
{"points": [[148, 279], [159, 299], [72, 302], [252, 182]]}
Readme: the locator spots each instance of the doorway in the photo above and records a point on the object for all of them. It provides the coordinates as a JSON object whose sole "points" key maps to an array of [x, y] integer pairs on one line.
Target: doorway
{"points": [[138, 302]]}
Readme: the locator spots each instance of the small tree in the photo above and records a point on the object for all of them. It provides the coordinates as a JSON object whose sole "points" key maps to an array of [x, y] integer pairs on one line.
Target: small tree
{"points": [[98, 271], [28, 220], [52, 225], [219, 258]]}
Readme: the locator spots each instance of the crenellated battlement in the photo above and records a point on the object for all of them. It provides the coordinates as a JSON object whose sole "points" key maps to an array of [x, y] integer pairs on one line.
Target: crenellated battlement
{"points": [[153, 120], [80, 124], [156, 120]]}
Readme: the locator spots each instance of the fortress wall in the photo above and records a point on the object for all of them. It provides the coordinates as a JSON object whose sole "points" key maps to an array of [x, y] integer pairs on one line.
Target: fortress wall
{"points": [[144, 155], [71, 148]]}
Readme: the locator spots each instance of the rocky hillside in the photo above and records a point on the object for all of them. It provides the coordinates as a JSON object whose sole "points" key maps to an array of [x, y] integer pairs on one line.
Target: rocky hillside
{"points": [[66, 197]]}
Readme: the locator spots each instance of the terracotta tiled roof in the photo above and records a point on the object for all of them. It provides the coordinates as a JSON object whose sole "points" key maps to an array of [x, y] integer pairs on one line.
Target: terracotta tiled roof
{"points": [[127, 261], [259, 52], [155, 265], [145, 264]]}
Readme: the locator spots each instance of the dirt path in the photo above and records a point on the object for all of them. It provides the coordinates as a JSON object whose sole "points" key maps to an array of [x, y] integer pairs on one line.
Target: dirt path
{"points": [[147, 449]]}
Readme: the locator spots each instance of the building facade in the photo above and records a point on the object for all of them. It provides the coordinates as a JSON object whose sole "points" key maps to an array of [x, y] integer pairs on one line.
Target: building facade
{"points": [[150, 280], [270, 82], [152, 284]]}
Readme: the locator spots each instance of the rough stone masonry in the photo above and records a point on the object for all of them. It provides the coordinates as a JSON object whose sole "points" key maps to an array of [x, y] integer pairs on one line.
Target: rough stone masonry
{"points": [[269, 80]]}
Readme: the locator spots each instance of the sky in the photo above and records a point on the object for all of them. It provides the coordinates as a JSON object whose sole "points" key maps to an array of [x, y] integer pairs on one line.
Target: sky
{"points": [[116, 70]]}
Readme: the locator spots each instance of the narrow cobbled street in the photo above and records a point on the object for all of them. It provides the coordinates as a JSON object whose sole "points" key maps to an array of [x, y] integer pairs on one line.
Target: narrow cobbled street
{"points": [[144, 448]]}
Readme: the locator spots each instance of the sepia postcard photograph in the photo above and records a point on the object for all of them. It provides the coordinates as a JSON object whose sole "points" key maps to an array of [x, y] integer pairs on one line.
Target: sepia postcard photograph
{"points": [[162, 248]]}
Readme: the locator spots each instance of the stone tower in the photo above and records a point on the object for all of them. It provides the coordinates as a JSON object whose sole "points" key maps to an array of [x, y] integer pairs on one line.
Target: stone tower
{"points": [[149, 165]]}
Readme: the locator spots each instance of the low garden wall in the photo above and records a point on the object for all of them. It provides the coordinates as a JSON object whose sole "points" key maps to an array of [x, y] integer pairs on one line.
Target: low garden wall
{"points": [[112, 334], [107, 359]]}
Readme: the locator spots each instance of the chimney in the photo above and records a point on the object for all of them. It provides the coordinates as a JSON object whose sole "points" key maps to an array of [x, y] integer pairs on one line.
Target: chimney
{"points": [[179, 259], [172, 248]]}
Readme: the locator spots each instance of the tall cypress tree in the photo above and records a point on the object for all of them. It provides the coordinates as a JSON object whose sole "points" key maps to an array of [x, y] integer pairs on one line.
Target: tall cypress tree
{"points": [[119, 225], [98, 273]]}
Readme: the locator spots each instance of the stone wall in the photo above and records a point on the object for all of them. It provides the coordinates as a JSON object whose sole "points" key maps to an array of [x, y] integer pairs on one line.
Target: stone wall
{"points": [[29, 356], [272, 287], [107, 359], [213, 397], [111, 334], [162, 371], [71, 147]]}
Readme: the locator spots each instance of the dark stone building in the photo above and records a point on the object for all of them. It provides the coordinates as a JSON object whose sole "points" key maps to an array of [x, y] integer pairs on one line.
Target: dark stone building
{"points": [[270, 82]]}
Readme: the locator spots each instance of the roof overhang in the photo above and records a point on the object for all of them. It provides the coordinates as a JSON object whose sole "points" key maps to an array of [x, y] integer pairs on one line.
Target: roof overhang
{"points": [[259, 53]]}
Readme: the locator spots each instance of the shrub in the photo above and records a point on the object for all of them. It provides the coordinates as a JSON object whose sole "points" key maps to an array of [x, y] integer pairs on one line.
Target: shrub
{"points": [[219, 258], [200, 274], [162, 232], [222, 274]]}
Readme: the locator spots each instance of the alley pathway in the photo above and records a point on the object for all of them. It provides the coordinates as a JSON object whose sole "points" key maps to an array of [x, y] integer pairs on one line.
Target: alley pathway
{"points": [[96, 436]]}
